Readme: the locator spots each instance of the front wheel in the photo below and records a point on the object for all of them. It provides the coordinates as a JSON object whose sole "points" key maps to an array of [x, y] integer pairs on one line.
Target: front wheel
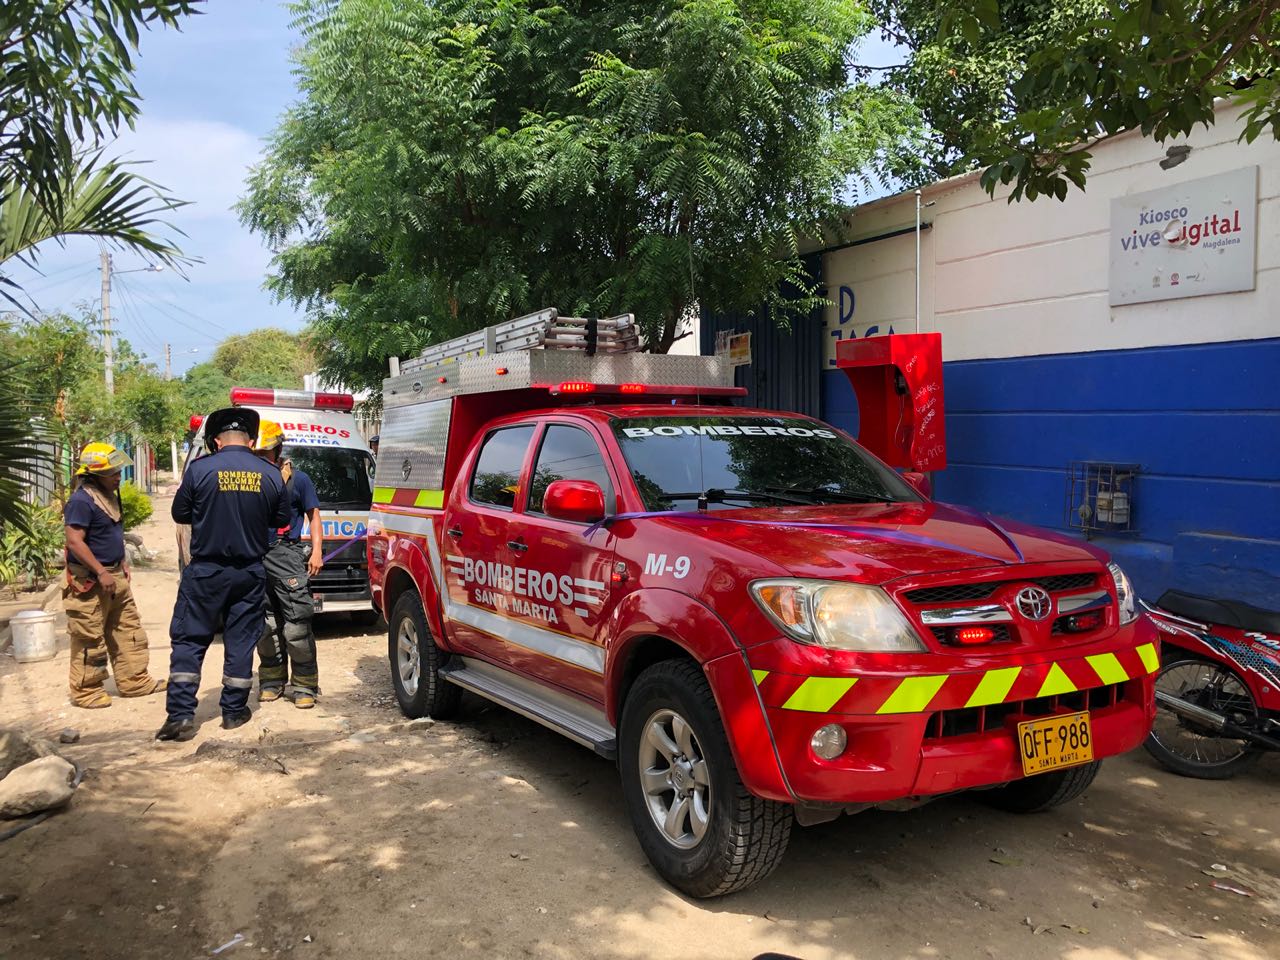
{"points": [[695, 820], [1195, 749], [416, 662]]}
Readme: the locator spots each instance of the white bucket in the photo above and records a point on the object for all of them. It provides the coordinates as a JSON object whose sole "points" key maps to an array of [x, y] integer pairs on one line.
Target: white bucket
{"points": [[33, 636]]}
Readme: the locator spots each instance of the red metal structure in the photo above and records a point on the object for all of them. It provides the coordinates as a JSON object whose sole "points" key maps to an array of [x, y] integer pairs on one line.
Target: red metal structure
{"points": [[898, 382]]}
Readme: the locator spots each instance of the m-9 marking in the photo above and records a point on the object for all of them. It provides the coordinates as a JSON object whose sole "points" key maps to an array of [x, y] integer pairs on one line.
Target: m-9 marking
{"points": [[656, 564]]}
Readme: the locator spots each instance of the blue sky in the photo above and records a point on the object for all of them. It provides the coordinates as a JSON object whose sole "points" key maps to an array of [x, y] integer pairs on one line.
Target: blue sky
{"points": [[211, 94]]}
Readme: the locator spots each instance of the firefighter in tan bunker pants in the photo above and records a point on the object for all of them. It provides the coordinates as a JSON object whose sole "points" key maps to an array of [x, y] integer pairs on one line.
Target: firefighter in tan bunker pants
{"points": [[102, 617]]}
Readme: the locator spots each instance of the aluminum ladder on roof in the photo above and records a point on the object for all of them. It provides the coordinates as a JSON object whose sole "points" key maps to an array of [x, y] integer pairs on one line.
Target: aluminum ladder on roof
{"points": [[545, 329]]}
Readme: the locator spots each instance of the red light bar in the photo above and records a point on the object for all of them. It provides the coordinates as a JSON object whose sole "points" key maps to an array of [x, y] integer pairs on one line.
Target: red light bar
{"points": [[972, 635], [653, 390], [195, 421], [266, 397]]}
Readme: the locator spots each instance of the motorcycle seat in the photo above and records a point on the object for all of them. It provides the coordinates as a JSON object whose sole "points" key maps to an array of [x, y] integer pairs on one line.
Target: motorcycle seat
{"points": [[1229, 613]]}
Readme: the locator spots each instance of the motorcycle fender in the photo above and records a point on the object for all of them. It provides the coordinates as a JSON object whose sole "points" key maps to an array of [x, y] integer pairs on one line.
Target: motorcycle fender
{"points": [[680, 619]]}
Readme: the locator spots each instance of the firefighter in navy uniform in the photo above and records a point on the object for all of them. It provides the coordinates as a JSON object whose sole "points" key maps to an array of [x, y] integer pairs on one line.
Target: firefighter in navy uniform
{"points": [[230, 498]]}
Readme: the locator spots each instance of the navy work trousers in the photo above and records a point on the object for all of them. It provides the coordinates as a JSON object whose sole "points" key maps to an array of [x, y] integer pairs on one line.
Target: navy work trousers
{"points": [[213, 596]]}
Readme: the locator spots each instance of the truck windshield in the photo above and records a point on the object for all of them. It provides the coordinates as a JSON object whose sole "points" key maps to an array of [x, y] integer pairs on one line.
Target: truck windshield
{"points": [[727, 462], [341, 475]]}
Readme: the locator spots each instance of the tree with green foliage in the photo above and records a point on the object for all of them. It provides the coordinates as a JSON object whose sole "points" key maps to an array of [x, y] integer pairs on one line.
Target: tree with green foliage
{"points": [[961, 80], [261, 358], [1156, 66], [455, 163]]}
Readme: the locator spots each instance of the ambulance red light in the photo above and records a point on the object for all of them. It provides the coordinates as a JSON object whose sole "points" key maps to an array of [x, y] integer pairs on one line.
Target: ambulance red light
{"points": [[972, 635], [306, 399], [442, 379], [502, 371], [575, 386], [195, 421], [632, 388]]}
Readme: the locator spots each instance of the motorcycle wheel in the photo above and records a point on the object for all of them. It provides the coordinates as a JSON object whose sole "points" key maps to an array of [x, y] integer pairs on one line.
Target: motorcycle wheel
{"points": [[1194, 750]]}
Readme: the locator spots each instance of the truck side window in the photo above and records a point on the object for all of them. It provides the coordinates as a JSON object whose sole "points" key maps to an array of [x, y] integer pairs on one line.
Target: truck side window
{"points": [[497, 474], [567, 453]]}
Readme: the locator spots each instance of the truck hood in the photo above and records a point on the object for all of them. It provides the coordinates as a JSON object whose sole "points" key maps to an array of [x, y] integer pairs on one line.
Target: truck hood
{"points": [[874, 543]]}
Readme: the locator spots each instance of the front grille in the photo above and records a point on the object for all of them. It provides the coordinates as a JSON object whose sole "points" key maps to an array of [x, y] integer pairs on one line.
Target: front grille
{"points": [[999, 634], [971, 720], [967, 592], [334, 580]]}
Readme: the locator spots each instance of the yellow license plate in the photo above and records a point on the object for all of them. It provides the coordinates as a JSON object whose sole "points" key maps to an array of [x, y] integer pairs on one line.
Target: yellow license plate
{"points": [[1054, 742]]}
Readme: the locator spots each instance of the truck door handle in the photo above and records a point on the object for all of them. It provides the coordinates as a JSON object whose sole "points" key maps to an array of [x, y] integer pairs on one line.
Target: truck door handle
{"points": [[517, 546], [455, 532]]}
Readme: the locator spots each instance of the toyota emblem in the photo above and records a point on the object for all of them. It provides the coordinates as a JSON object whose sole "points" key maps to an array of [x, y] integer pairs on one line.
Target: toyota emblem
{"points": [[1034, 603]]}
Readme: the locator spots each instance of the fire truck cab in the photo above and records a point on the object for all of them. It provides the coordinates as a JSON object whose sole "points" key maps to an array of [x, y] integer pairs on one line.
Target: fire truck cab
{"points": [[758, 620]]}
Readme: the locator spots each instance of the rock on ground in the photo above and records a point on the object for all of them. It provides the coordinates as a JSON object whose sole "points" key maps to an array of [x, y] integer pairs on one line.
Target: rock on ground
{"points": [[16, 749], [39, 785]]}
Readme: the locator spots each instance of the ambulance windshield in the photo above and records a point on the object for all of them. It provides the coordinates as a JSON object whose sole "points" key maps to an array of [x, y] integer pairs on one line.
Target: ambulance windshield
{"points": [[340, 474], [729, 462]]}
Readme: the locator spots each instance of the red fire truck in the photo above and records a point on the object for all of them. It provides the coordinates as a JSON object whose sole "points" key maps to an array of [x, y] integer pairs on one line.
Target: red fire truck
{"points": [[758, 620]]}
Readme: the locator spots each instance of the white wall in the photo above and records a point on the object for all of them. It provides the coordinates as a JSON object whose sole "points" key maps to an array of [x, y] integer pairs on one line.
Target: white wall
{"points": [[1002, 280]]}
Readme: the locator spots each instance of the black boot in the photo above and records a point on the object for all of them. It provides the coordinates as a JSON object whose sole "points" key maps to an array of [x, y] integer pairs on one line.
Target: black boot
{"points": [[182, 728], [232, 720]]}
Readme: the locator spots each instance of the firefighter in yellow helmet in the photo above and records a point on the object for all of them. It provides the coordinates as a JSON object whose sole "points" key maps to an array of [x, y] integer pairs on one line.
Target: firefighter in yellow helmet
{"points": [[288, 641], [102, 617]]}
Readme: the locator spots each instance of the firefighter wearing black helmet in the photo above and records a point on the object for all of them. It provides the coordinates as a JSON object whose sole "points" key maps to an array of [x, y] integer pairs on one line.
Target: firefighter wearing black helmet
{"points": [[231, 499]]}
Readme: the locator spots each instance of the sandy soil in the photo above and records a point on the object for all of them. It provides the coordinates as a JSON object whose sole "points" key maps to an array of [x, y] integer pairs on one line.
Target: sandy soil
{"points": [[341, 832]]}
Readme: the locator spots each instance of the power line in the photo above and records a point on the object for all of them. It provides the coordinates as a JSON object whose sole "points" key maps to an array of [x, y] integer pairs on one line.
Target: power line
{"points": [[130, 304]]}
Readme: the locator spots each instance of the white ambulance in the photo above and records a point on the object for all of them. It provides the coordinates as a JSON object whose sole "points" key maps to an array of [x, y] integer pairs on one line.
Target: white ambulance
{"points": [[321, 438]]}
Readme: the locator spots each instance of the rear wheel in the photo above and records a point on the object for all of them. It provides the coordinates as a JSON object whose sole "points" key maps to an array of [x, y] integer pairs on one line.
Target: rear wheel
{"points": [[696, 822], [1044, 791], [1195, 749], [416, 662]]}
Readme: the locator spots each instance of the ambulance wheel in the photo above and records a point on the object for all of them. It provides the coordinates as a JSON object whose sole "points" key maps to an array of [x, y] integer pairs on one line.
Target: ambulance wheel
{"points": [[416, 663], [696, 822], [1044, 791]]}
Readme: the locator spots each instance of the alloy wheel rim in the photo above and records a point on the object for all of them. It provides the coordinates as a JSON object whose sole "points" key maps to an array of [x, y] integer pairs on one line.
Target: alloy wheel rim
{"points": [[408, 659], [675, 779]]}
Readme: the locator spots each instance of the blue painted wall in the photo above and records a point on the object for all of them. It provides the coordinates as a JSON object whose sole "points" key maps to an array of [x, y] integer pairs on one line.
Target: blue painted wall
{"points": [[1202, 420]]}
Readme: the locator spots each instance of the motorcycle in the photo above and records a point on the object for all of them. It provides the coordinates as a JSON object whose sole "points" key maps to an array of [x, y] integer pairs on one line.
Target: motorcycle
{"points": [[1218, 689]]}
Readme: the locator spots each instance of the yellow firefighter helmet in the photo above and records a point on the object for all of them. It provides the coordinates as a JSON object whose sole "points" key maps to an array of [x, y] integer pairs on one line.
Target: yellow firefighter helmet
{"points": [[269, 437], [103, 458]]}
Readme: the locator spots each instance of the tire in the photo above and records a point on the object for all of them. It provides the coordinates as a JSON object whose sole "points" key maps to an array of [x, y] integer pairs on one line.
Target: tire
{"points": [[742, 838], [1205, 768], [420, 689], [366, 618], [1044, 791]]}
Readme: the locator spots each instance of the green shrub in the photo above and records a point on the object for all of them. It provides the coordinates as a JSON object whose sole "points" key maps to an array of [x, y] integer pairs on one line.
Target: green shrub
{"points": [[136, 504], [29, 557]]}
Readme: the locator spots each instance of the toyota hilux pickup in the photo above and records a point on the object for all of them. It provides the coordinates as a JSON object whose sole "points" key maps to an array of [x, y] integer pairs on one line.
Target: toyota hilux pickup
{"points": [[755, 618]]}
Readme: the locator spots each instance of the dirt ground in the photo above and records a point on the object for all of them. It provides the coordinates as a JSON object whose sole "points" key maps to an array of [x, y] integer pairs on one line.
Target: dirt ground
{"points": [[341, 832]]}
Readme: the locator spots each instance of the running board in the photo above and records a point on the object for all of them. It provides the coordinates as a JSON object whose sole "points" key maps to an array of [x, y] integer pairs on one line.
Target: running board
{"points": [[558, 711]]}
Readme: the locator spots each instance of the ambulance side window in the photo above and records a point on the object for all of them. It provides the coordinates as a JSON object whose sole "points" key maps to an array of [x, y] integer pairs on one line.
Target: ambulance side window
{"points": [[497, 474], [567, 453]]}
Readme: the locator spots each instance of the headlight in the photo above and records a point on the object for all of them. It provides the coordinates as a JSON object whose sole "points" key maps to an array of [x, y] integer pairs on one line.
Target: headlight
{"points": [[1124, 594], [839, 616]]}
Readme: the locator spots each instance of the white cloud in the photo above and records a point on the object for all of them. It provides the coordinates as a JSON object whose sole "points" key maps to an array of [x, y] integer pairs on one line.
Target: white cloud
{"points": [[204, 162]]}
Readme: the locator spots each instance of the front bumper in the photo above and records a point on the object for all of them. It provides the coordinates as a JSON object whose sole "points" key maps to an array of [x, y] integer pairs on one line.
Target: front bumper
{"points": [[925, 733]]}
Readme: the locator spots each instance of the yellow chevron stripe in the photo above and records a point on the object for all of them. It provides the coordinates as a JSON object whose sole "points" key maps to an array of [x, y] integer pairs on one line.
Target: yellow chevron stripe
{"points": [[383, 494], [759, 676], [912, 695], [1150, 659], [1108, 668], [994, 687], [1055, 683], [429, 498], [819, 694]]}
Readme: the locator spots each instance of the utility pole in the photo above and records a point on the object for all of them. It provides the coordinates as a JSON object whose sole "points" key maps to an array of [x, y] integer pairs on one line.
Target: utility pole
{"points": [[107, 346], [168, 362]]}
